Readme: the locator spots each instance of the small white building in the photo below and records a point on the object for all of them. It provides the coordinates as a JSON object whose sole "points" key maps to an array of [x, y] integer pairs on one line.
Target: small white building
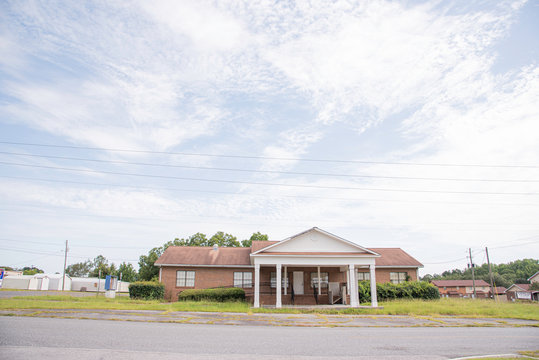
{"points": [[21, 282], [37, 282], [92, 284], [52, 282]]}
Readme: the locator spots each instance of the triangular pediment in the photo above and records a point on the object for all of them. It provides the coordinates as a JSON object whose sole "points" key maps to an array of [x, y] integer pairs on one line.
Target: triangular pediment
{"points": [[315, 240]]}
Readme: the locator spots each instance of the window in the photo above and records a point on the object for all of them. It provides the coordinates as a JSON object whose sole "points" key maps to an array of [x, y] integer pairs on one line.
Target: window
{"points": [[243, 279], [362, 276], [273, 280], [185, 278], [397, 277], [324, 278]]}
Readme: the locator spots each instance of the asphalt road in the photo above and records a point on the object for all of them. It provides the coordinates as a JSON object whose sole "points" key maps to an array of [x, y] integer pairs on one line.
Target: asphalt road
{"points": [[46, 338]]}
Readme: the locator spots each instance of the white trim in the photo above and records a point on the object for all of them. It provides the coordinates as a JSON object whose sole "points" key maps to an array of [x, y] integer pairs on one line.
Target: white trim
{"points": [[374, 295], [398, 267], [256, 301], [322, 232], [217, 266], [315, 255], [278, 285], [531, 277], [515, 285]]}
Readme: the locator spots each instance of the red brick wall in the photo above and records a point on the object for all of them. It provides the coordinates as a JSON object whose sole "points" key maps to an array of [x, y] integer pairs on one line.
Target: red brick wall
{"points": [[382, 274], [204, 278], [208, 277]]}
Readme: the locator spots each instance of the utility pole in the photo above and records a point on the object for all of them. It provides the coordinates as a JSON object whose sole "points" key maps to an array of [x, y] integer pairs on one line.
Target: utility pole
{"points": [[473, 274], [98, 283], [490, 275], [65, 263]]}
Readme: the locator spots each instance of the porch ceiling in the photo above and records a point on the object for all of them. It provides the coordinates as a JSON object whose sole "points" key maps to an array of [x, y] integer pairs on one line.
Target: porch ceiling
{"points": [[313, 260]]}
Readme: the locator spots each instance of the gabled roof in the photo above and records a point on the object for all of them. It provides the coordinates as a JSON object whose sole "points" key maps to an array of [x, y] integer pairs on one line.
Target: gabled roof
{"points": [[521, 287], [442, 283], [257, 245], [394, 257], [275, 245], [240, 256], [204, 255], [499, 290], [534, 275]]}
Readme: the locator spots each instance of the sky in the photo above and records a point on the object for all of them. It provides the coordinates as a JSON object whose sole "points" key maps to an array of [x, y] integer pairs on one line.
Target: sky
{"points": [[411, 124]]}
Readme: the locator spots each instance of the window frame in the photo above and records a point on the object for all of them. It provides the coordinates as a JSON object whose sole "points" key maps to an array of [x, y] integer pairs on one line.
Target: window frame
{"points": [[273, 280], [185, 278], [401, 277], [324, 284], [366, 276], [243, 282]]}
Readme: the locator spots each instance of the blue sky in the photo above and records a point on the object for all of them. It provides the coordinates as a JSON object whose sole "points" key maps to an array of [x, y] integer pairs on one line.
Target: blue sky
{"points": [[392, 124]]}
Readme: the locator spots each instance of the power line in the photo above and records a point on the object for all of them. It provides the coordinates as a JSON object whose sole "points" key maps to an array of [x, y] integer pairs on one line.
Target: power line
{"points": [[265, 157], [79, 256], [267, 171], [348, 199], [71, 246], [263, 183]]}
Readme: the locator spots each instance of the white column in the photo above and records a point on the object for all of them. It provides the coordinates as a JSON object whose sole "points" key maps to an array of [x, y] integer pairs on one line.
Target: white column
{"points": [[257, 286], [160, 271], [354, 301], [348, 284], [319, 282], [374, 297], [285, 280], [278, 286]]}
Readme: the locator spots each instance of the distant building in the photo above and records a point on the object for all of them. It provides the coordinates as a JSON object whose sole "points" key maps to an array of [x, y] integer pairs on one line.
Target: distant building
{"points": [[534, 278], [521, 292], [462, 288]]}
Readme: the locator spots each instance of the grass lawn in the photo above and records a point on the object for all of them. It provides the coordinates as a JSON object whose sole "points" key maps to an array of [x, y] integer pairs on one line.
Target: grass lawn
{"points": [[442, 307]]}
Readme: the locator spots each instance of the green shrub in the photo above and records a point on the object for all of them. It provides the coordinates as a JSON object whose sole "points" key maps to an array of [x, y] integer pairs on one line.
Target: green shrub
{"points": [[406, 290], [146, 290], [218, 294]]}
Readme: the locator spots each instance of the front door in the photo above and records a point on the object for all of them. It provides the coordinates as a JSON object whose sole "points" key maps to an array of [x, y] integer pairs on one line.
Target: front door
{"points": [[298, 282]]}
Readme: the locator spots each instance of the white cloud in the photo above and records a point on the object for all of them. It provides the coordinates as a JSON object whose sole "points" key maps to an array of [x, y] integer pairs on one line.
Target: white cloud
{"points": [[278, 79]]}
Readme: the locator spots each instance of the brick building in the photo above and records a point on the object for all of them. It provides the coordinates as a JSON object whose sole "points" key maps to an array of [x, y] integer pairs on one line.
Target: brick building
{"points": [[462, 288], [313, 267]]}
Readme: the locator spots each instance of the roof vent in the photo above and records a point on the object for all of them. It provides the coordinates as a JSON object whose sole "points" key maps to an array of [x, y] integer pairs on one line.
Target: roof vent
{"points": [[215, 247]]}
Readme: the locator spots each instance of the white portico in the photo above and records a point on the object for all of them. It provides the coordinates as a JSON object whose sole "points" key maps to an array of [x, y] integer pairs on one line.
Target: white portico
{"points": [[288, 261]]}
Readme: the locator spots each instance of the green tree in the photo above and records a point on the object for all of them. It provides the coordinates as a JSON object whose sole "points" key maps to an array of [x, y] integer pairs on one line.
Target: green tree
{"points": [[223, 240], [147, 271], [31, 270], [515, 272], [128, 272], [81, 269], [101, 263], [257, 236]]}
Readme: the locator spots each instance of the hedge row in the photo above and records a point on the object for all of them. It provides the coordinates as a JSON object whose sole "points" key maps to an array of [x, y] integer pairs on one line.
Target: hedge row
{"points": [[218, 294], [406, 290], [146, 290]]}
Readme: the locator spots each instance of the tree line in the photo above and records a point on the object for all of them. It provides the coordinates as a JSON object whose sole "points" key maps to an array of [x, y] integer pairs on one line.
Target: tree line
{"points": [[515, 272], [147, 271]]}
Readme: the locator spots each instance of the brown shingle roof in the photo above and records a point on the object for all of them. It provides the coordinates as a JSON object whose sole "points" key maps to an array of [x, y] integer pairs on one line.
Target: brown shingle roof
{"points": [[441, 283], [395, 257], [199, 255], [257, 245], [525, 287], [203, 255]]}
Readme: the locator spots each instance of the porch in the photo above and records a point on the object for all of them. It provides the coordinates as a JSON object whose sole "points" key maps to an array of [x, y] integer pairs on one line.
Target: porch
{"points": [[308, 286], [313, 266]]}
